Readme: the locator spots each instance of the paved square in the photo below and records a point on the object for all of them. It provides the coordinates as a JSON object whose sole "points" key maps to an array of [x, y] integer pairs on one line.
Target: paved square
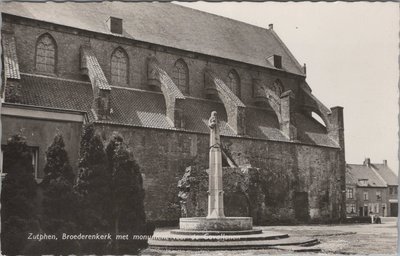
{"points": [[363, 239]]}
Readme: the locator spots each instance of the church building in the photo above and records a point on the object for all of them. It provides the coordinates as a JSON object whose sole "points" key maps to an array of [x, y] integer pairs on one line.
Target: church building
{"points": [[154, 72]]}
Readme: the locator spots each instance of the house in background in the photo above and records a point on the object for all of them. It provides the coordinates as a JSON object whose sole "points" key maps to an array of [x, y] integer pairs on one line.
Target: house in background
{"points": [[370, 188], [392, 183]]}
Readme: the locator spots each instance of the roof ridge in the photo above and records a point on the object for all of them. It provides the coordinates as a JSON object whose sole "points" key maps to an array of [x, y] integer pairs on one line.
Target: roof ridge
{"points": [[227, 45], [220, 16], [55, 78], [289, 53]]}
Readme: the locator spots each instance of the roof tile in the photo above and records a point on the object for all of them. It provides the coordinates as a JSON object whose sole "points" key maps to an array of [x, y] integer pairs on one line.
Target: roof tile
{"points": [[175, 25], [312, 132], [95, 72], [387, 174], [147, 109], [11, 66], [355, 172]]}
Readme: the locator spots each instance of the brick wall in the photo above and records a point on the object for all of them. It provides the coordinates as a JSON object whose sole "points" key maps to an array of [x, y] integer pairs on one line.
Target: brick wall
{"points": [[372, 199], [164, 155], [40, 133], [69, 41]]}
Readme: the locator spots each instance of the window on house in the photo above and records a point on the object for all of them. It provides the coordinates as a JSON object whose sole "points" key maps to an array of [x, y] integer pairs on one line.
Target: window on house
{"points": [[119, 67], [365, 195], [34, 151], [181, 76], [234, 82], [395, 190], [391, 191], [349, 193], [46, 54], [378, 195], [363, 182], [376, 208]]}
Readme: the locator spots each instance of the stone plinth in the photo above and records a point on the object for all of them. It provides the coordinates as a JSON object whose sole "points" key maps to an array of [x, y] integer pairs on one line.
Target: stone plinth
{"points": [[217, 224]]}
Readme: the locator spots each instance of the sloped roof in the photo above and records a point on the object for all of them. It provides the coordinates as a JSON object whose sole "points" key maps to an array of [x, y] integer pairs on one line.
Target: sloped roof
{"points": [[140, 108], [355, 172], [55, 93], [311, 131], [263, 124], [169, 25], [11, 67], [387, 174]]}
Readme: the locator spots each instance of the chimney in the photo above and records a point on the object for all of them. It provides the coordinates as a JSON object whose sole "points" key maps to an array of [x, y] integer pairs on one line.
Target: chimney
{"points": [[304, 68], [275, 60], [115, 25], [385, 162], [367, 162], [271, 26]]}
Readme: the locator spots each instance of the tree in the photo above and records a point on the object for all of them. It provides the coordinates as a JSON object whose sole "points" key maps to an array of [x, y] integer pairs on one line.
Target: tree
{"points": [[57, 162], [60, 201], [93, 189], [18, 212], [127, 195]]}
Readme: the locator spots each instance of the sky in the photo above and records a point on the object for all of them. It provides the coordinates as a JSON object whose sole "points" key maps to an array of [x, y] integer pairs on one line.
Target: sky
{"points": [[351, 51]]}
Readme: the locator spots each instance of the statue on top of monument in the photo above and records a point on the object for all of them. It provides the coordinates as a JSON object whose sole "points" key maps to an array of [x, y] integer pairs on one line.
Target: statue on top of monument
{"points": [[213, 121], [213, 124]]}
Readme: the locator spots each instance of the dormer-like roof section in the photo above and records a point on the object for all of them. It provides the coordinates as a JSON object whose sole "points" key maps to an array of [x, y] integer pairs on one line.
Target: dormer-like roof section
{"points": [[386, 173], [168, 25], [355, 173]]}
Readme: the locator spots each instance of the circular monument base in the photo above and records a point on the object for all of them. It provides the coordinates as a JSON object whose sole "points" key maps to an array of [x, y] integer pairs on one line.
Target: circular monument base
{"points": [[216, 224], [170, 240], [229, 233]]}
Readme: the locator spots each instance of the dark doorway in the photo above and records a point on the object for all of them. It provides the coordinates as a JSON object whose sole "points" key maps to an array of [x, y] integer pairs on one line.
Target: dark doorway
{"points": [[366, 211], [360, 211], [301, 206], [394, 209]]}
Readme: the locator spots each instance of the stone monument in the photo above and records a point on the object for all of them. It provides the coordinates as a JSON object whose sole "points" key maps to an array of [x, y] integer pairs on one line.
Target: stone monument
{"points": [[215, 191], [216, 231], [216, 222]]}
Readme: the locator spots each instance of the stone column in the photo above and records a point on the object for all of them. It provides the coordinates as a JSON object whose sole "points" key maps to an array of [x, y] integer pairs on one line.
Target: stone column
{"points": [[215, 191]]}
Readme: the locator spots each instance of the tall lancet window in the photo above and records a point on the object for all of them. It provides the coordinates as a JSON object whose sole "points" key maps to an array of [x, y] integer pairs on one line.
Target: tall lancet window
{"points": [[119, 67], [181, 76], [234, 82], [46, 54]]}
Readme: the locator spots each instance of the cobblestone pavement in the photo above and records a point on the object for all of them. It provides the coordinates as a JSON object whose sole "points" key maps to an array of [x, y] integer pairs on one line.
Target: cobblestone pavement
{"points": [[360, 239]]}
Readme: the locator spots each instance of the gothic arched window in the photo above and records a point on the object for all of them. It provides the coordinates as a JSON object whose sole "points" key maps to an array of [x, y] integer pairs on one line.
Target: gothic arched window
{"points": [[180, 75], [46, 54], [234, 82], [119, 67]]}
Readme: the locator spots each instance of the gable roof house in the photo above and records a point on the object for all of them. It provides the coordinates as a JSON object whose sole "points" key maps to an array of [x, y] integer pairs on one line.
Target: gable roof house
{"points": [[154, 72], [373, 187]]}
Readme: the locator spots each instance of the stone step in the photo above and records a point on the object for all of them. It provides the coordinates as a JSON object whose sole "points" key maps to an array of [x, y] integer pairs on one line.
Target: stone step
{"points": [[291, 243], [183, 236], [215, 233], [297, 248]]}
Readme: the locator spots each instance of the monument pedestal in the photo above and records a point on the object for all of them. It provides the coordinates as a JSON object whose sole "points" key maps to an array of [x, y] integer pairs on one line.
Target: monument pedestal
{"points": [[217, 224]]}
